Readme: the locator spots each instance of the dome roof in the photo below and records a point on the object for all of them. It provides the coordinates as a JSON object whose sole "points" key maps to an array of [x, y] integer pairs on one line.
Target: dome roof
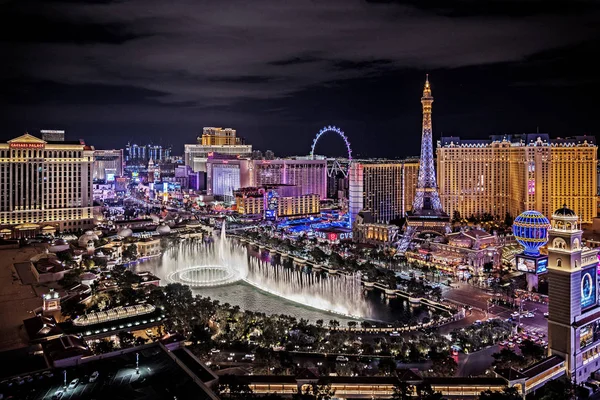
{"points": [[125, 232], [163, 229], [565, 212], [86, 237]]}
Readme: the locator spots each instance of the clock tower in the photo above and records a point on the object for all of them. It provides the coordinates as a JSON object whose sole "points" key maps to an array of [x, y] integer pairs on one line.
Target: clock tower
{"points": [[573, 312]]}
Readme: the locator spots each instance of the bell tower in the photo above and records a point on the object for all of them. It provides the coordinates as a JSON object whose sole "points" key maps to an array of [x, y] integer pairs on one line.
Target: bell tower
{"points": [[573, 312]]}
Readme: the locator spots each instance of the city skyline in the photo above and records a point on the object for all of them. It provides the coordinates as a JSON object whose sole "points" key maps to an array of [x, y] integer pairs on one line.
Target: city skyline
{"points": [[103, 73]]}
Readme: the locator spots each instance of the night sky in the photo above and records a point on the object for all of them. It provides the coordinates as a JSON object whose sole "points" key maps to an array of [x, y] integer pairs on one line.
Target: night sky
{"points": [[278, 70]]}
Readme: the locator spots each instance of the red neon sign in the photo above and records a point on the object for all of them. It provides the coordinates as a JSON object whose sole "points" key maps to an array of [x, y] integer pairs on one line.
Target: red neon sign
{"points": [[27, 145]]}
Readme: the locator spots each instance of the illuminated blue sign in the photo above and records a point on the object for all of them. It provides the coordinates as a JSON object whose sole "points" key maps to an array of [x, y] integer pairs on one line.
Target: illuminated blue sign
{"points": [[271, 206], [542, 266], [588, 288]]}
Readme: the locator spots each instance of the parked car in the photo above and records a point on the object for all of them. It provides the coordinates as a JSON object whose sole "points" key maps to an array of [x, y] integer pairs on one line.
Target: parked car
{"points": [[73, 384], [94, 376], [58, 395], [341, 359]]}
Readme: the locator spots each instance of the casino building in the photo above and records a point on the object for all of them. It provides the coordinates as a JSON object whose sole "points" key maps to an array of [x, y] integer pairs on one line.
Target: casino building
{"points": [[44, 186], [574, 312]]}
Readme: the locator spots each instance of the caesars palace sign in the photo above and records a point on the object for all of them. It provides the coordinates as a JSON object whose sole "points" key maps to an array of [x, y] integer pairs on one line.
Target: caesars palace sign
{"points": [[25, 145]]}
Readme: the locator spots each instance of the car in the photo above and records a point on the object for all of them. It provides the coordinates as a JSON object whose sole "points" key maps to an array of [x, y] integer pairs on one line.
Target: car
{"points": [[28, 378], [478, 322], [503, 343], [529, 315], [18, 380], [94, 376], [249, 357], [395, 333], [58, 395], [545, 315], [214, 351], [48, 374], [73, 384], [519, 340], [515, 314], [229, 358], [341, 359], [511, 345]]}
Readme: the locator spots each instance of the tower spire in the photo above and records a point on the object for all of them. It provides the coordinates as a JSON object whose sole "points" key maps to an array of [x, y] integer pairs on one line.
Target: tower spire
{"points": [[427, 206]]}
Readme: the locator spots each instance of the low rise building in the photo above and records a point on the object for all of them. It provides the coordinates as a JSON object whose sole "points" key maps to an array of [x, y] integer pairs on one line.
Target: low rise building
{"points": [[148, 247]]}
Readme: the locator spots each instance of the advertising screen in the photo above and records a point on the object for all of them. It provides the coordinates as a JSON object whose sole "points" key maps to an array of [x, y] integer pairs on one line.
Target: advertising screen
{"points": [[589, 334], [525, 264], [110, 177], [272, 204], [588, 286], [542, 266]]}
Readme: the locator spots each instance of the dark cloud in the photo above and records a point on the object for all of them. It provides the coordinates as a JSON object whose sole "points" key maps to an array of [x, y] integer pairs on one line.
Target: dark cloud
{"points": [[228, 62]]}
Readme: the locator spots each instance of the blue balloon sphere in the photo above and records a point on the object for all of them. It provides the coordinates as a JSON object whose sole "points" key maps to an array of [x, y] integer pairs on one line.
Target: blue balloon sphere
{"points": [[531, 231]]}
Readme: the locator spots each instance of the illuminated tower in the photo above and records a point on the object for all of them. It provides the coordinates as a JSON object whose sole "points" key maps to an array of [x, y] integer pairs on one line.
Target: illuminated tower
{"points": [[574, 314], [427, 213]]}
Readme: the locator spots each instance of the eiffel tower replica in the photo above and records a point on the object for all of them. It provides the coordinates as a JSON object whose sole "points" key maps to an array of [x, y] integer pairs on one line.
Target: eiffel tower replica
{"points": [[427, 214]]}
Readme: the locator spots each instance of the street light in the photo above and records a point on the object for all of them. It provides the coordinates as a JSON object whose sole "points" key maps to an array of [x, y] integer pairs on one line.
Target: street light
{"points": [[65, 378], [137, 363]]}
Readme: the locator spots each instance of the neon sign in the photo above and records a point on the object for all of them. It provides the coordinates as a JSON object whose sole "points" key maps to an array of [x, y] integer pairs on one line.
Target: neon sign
{"points": [[27, 145]]}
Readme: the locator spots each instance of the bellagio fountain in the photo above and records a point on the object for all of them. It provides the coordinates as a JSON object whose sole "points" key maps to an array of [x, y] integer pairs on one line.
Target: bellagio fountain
{"points": [[224, 262]]}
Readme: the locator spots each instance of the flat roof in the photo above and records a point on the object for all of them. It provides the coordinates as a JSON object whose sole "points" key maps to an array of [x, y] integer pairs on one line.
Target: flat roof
{"points": [[160, 377]]}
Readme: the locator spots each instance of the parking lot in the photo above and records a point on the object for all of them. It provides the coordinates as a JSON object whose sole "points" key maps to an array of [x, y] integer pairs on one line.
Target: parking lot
{"points": [[159, 377]]}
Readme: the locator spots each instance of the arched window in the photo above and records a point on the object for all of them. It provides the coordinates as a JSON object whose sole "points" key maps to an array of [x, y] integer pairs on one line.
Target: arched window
{"points": [[558, 262], [559, 243], [576, 243]]}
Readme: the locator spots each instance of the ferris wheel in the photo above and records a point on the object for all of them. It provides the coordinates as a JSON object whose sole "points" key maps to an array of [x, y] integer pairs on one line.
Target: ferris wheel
{"points": [[336, 165]]}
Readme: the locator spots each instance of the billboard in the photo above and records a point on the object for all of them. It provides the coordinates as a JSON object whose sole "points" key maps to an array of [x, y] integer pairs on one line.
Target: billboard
{"points": [[589, 334], [272, 204], [589, 278], [532, 265], [542, 266]]}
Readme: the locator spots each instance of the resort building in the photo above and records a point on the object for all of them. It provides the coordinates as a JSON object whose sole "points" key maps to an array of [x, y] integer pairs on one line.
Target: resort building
{"points": [[309, 175], [215, 140], [514, 173], [385, 189], [45, 183]]}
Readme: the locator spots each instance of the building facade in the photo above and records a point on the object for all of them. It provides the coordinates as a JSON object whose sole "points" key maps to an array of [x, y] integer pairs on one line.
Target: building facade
{"points": [[45, 183], [514, 173], [309, 175], [135, 153], [215, 140], [225, 176], [108, 164], [574, 312], [385, 189], [276, 201]]}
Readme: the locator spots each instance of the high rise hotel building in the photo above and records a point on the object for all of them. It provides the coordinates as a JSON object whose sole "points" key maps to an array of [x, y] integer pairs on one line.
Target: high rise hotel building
{"points": [[514, 173], [44, 183], [385, 189]]}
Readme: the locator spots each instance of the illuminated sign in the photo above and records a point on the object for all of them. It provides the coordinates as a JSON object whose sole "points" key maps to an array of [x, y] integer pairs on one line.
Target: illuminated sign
{"points": [[588, 286], [525, 265], [589, 334], [110, 177], [532, 265], [272, 204], [27, 145], [542, 266], [50, 131], [334, 236]]}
